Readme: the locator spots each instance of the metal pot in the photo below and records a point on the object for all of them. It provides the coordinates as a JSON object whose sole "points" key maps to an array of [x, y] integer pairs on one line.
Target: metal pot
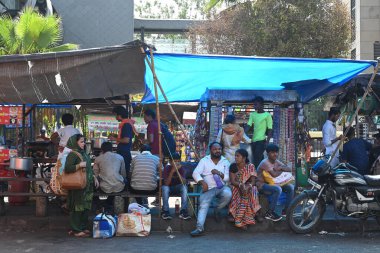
{"points": [[98, 142], [21, 163]]}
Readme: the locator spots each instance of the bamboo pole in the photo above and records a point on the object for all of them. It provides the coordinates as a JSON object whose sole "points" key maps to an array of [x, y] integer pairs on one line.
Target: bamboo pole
{"points": [[156, 81], [357, 109], [151, 66], [159, 135]]}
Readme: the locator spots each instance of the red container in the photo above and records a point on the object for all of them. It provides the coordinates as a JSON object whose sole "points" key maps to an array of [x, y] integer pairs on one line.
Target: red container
{"points": [[18, 186]]}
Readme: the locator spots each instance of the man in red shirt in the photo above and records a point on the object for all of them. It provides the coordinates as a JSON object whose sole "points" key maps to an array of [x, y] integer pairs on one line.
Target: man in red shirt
{"points": [[152, 130]]}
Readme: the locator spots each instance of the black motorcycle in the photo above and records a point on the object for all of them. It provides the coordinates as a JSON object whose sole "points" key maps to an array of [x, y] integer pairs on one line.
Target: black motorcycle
{"points": [[352, 195]]}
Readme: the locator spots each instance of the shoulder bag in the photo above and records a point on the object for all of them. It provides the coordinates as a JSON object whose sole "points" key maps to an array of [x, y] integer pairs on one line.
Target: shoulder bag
{"points": [[76, 180]]}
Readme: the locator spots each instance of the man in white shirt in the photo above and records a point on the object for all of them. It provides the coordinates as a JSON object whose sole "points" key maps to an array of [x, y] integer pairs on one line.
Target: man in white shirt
{"points": [[65, 132], [330, 141], [210, 169]]}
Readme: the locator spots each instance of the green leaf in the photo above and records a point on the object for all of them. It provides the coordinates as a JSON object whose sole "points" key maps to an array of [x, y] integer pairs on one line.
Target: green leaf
{"points": [[64, 47], [211, 4]]}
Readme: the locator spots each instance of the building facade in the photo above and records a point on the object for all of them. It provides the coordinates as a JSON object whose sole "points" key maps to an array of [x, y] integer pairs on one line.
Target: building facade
{"points": [[365, 20], [96, 23]]}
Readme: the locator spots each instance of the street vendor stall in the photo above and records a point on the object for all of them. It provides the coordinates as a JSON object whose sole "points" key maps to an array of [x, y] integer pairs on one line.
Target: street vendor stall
{"points": [[72, 77], [78, 76], [218, 80]]}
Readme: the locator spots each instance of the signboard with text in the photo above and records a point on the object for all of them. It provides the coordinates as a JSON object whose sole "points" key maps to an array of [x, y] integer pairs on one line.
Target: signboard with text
{"points": [[102, 123], [11, 116]]}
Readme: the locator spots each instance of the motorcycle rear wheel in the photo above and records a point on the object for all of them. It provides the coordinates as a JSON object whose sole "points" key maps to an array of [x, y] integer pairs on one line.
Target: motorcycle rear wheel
{"points": [[298, 218]]}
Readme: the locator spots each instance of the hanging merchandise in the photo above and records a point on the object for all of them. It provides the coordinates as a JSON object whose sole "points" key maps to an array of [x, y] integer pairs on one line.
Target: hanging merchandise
{"points": [[200, 132], [216, 115], [283, 134]]}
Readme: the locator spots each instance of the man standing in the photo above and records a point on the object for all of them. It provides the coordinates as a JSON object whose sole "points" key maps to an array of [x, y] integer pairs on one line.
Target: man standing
{"points": [[125, 135], [212, 173], [271, 168], [356, 152], [174, 183], [262, 130], [109, 168], [152, 131], [330, 141], [65, 132]]}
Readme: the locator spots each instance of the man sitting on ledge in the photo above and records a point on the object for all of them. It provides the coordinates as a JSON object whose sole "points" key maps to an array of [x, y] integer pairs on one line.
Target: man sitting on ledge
{"points": [[212, 173], [144, 174]]}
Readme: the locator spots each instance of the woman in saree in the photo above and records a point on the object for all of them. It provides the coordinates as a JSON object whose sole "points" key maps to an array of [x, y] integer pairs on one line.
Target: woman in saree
{"points": [[245, 199], [79, 201], [230, 136]]}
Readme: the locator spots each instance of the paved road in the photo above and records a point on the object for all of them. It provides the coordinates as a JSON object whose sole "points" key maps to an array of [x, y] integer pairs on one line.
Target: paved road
{"points": [[56, 242]]}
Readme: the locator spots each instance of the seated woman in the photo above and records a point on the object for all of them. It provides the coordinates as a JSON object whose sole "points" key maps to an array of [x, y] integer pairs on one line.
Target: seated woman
{"points": [[79, 201], [245, 199]]}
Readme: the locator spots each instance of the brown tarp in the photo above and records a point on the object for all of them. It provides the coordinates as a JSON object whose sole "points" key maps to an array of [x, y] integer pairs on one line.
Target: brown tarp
{"points": [[85, 74]]}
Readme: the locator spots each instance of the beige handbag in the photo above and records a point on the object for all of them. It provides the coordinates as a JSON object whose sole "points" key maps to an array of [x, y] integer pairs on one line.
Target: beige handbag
{"points": [[76, 180]]}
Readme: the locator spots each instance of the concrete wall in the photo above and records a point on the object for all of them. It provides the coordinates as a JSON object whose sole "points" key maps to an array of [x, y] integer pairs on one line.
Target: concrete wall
{"points": [[369, 27], [96, 23], [367, 15]]}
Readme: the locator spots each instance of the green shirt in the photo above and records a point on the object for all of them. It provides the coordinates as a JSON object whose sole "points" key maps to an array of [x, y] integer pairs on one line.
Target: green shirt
{"points": [[261, 122]]}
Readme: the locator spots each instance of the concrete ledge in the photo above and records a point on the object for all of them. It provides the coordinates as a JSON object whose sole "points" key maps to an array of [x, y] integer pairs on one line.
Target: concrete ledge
{"points": [[60, 223]]}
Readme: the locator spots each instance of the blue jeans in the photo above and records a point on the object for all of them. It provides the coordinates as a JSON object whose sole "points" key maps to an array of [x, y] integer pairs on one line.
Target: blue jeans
{"points": [[223, 195], [176, 189], [275, 191]]}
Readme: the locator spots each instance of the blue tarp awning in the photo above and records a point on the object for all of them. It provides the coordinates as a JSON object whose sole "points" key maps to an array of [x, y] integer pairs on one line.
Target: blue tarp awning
{"points": [[186, 77]]}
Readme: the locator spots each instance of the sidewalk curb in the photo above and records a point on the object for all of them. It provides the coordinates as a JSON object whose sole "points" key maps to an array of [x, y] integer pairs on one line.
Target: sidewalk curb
{"points": [[56, 223]]}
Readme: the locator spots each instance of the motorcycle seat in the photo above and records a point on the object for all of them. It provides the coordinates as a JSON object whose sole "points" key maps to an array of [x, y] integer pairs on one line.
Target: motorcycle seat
{"points": [[372, 180]]}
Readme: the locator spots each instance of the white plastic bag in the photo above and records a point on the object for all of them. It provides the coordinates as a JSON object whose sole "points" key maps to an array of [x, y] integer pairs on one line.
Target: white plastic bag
{"points": [[136, 208]]}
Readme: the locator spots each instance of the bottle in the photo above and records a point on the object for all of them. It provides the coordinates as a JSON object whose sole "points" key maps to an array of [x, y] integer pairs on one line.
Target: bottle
{"points": [[218, 181], [177, 206]]}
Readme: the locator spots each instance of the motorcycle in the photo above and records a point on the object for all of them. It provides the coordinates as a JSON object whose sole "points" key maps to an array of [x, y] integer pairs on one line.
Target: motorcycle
{"points": [[351, 194]]}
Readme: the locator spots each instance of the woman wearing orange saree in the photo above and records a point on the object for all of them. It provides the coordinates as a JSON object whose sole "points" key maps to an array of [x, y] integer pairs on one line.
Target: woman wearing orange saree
{"points": [[245, 199]]}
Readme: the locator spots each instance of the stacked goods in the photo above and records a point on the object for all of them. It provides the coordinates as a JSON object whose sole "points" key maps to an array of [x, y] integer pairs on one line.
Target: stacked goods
{"points": [[216, 114], [180, 140], [283, 134]]}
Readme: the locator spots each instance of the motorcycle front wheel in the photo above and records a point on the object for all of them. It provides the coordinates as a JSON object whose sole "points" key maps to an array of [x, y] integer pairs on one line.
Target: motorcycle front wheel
{"points": [[301, 217]]}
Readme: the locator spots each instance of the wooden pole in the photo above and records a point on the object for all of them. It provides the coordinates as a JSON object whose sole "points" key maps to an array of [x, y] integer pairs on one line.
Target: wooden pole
{"points": [[156, 81], [159, 136], [357, 108]]}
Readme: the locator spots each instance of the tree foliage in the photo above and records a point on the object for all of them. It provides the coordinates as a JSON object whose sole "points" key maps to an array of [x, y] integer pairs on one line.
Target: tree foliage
{"points": [[293, 28], [30, 33], [172, 9]]}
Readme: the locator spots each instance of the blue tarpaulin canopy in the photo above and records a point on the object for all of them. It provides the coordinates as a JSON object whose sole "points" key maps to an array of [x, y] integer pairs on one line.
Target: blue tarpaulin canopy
{"points": [[187, 77]]}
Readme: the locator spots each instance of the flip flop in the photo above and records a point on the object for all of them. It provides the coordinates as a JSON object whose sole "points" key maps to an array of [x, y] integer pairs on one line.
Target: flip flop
{"points": [[81, 235], [71, 232]]}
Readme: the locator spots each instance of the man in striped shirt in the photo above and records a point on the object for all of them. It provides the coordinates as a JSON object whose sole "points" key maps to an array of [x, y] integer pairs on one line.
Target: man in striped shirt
{"points": [[144, 174]]}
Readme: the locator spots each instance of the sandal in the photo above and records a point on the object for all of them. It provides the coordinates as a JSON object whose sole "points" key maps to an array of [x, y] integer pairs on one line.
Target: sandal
{"points": [[71, 232], [81, 235]]}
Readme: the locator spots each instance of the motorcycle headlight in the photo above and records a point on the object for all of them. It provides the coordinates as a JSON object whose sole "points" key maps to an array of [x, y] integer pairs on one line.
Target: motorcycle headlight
{"points": [[313, 176]]}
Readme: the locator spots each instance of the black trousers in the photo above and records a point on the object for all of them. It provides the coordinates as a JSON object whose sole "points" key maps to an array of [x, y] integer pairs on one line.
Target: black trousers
{"points": [[257, 149]]}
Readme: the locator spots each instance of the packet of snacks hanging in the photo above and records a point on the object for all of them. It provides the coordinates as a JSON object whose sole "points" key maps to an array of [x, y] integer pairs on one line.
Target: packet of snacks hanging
{"points": [[133, 224]]}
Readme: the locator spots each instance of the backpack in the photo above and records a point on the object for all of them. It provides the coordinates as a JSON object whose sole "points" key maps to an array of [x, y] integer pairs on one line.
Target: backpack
{"points": [[168, 141]]}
